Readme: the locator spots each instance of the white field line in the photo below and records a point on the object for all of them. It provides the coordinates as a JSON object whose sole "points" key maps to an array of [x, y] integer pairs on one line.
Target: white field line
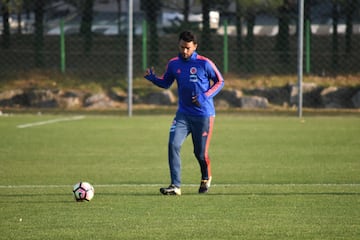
{"points": [[27, 125], [191, 185]]}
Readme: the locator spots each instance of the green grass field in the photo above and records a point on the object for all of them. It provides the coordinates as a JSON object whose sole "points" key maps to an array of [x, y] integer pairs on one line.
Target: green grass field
{"points": [[273, 178]]}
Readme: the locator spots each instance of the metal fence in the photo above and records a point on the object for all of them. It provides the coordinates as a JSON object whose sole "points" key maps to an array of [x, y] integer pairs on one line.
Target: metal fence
{"points": [[89, 37], [94, 35]]}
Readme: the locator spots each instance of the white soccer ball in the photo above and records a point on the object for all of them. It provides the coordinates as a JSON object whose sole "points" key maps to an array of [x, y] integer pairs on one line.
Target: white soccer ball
{"points": [[83, 191]]}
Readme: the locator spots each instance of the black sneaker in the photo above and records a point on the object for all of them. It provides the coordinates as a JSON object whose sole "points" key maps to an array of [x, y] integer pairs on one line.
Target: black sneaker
{"points": [[171, 190], [205, 185]]}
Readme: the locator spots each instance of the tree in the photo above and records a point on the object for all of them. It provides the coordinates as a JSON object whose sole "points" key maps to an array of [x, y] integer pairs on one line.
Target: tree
{"points": [[351, 6], [282, 40], [186, 13], [207, 6], [6, 26], [39, 6], [206, 42], [307, 30], [238, 23], [85, 8], [152, 9], [247, 9], [118, 2], [86, 24], [184, 7], [250, 17], [27, 7], [18, 8], [335, 42]]}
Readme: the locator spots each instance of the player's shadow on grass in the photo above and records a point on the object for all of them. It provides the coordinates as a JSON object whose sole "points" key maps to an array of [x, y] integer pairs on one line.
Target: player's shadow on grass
{"points": [[283, 193], [66, 197], [40, 197], [142, 194], [155, 193]]}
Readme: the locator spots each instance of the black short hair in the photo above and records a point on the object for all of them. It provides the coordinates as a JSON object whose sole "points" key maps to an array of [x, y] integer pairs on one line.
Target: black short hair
{"points": [[188, 36]]}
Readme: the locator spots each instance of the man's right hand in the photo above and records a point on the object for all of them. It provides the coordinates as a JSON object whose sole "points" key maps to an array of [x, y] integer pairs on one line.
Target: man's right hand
{"points": [[149, 72]]}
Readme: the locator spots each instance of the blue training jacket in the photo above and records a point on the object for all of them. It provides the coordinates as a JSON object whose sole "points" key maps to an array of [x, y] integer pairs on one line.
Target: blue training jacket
{"points": [[196, 76]]}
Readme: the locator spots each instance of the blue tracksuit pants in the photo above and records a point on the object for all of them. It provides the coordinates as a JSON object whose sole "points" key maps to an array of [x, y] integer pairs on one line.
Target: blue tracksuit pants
{"points": [[200, 129]]}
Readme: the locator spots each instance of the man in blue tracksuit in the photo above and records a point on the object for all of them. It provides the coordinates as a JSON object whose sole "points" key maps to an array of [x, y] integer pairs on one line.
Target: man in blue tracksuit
{"points": [[198, 81]]}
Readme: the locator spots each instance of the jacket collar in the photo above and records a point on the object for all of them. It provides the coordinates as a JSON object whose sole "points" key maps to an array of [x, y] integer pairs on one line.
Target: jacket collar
{"points": [[193, 56]]}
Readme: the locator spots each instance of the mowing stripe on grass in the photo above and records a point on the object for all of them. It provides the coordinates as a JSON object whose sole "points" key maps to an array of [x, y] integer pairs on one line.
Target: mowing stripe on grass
{"points": [[27, 125], [191, 185]]}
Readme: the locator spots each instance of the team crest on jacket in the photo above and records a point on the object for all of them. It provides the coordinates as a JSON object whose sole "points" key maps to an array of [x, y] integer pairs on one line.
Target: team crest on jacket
{"points": [[193, 70]]}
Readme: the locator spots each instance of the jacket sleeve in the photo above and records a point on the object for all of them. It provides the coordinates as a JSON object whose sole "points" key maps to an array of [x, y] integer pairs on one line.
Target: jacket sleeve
{"points": [[165, 81], [218, 80]]}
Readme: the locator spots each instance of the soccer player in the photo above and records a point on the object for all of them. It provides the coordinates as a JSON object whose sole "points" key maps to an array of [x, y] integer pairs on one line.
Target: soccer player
{"points": [[198, 81]]}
